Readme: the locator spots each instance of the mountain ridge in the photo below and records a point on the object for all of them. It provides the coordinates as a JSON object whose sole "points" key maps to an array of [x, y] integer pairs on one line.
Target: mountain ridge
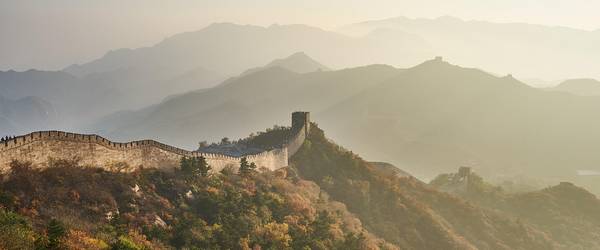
{"points": [[298, 62], [580, 86], [494, 46]]}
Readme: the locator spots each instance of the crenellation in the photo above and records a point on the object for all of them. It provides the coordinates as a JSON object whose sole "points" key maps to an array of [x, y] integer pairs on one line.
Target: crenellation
{"points": [[95, 150]]}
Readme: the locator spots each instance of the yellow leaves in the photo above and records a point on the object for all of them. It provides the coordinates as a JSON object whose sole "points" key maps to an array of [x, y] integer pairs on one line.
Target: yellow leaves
{"points": [[296, 222], [212, 190], [118, 166], [82, 240], [301, 205], [273, 234]]}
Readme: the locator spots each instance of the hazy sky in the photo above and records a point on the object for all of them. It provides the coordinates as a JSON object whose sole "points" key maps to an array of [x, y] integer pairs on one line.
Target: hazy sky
{"points": [[52, 34]]}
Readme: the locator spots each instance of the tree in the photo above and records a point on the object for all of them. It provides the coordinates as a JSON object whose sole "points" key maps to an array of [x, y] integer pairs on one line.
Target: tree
{"points": [[195, 166], [203, 166], [246, 168], [56, 232], [202, 144], [125, 243], [225, 141], [15, 231]]}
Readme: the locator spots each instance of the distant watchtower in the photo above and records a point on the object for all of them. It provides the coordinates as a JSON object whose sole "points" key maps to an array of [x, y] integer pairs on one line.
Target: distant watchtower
{"points": [[299, 120], [464, 171]]}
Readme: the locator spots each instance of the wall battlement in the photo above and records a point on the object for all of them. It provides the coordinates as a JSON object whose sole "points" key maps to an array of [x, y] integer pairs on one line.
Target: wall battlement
{"points": [[94, 150]]}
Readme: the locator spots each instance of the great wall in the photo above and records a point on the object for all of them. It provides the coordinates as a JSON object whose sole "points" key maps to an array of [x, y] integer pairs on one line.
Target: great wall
{"points": [[93, 150]]}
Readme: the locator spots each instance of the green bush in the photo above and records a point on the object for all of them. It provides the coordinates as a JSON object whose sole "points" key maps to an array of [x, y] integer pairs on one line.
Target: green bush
{"points": [[124, 243], [15, 231]]}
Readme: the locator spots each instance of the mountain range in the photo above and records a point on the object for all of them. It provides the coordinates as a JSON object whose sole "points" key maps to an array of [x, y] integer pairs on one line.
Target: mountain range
{"points": [[525, 50], [426, 119], [204, 85], [138, 78], [184, 119], [410, 122], [437, 115], [230, 49]]}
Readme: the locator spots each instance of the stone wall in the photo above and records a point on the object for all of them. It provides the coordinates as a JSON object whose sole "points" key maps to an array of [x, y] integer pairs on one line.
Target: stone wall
{"points": [[94, 150], [294, 144]]}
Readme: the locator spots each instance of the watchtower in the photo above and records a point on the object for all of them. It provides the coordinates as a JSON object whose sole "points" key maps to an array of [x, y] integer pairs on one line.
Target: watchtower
{"points": [[464, 171], [299, 120]]}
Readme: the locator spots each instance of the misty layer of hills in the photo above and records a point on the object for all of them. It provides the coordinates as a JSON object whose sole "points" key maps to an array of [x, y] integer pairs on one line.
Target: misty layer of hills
{"points": [[136, 78], [525, 50], [230, 49], [426, 119], [430, 118], [25, 114], [584, 87], [79, 100]]}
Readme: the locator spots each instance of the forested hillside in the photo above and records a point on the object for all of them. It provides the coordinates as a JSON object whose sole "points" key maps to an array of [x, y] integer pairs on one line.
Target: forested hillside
{"points": [[405, 211], [569, 214], [328, 198], [147, 209]]}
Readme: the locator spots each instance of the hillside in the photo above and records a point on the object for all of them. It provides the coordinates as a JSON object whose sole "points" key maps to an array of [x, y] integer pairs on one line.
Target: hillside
{"points": [[403, 210], [568, 213], [329, 198], [389, 169], [149, 209], [584, 87]]}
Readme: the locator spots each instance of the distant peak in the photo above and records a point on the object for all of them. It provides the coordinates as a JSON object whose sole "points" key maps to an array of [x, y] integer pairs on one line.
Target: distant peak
{"points": [[223, 24], [435, 62], [299, 62], [299, 54], [449, 18]]}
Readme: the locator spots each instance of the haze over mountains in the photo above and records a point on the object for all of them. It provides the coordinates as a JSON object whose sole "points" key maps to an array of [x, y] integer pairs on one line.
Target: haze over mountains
{"points": [[25, 114], [584, 87], [208, 84], [174, 127], [525, 50], [437, 115], [213, 113], [426, 119], [230, 49], [299, 62], [80, 100], [137, 78]]}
